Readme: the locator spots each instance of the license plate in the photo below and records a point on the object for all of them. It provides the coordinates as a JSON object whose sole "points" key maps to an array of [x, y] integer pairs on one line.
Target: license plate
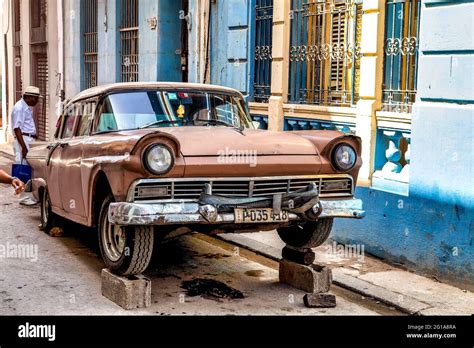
{"points": [[256, 215]]}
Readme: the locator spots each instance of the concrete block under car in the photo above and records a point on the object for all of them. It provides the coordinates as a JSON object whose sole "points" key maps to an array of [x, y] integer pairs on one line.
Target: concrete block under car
{"points": [[319, 300], [128, 292], [309, 278], [302, 256]]}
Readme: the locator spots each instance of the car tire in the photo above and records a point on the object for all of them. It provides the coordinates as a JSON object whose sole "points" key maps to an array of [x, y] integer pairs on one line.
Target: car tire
{"points": [[48, 218], [308, 234], [125, 250]]}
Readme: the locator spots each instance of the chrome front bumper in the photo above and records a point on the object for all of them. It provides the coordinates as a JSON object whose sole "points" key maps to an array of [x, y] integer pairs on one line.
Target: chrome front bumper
{"points": [[183, 213]]}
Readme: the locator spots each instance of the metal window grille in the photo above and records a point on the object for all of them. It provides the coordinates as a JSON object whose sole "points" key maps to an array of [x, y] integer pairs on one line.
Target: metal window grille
{"points": [[41, 80], [17, 49], [401, 55], [325, 51], [90, 43], [263, 50], [129, 40]]}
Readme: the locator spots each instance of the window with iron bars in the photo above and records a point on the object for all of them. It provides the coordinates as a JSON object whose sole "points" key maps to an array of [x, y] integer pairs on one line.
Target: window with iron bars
{"points": [[402, 20], [263, 50], [129, 40], [90, 43], [325, 52], [17, 50]]}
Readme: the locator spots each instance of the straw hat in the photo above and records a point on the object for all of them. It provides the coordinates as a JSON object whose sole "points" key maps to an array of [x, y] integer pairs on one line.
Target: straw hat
{"points": [[32, 90]]}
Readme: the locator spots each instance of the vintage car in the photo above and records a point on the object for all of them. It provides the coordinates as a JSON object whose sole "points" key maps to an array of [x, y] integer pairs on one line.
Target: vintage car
{"points": [[140, 161]]}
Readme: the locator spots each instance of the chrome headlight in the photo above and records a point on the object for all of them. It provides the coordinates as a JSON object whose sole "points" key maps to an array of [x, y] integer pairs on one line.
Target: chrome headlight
{"points": [[158, 159], [344, 157]]}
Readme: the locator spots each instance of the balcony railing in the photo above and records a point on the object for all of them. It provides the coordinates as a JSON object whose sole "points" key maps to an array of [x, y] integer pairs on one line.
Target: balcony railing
{"points": [[392, 160]]}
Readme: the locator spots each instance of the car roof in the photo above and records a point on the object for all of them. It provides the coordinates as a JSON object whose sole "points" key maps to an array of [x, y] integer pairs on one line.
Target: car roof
{"points": [[127, 86]]}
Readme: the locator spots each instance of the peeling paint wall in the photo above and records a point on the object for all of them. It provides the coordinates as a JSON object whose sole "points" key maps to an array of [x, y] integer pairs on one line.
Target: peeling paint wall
{"points": [[432, 229]]}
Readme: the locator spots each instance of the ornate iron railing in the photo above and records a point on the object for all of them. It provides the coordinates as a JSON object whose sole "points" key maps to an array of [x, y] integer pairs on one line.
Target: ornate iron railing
{"points": [[90, 43], [263, 50], [401, 54], [129, 40], [325, 52]]}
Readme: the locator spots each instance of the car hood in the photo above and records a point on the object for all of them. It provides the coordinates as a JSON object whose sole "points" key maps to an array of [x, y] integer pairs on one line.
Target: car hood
{"points": [[218, 140]]}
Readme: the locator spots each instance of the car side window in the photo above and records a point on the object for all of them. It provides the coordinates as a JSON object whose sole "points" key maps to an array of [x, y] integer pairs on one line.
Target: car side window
{"points": [[86, 117], [59, 123], [107, 120], [69, 121]]}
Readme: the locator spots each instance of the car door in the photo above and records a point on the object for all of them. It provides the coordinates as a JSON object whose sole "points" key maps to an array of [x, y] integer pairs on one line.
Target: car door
{"points": [[70, 163], [53, 161]]}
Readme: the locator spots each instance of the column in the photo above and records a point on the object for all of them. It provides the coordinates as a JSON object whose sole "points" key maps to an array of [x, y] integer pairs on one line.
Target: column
{"points": [[280, 64], [371, 73], [72, 48], [107, 38]]}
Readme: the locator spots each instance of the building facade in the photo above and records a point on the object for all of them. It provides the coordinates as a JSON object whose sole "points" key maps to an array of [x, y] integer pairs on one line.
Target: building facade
{"points": [[397, 73], [32, 31], [65, 46]]}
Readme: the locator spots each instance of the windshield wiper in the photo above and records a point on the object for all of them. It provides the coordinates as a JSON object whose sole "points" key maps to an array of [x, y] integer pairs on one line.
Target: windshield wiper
{"points": [[234, 127], [215, 122], [160, 122]]}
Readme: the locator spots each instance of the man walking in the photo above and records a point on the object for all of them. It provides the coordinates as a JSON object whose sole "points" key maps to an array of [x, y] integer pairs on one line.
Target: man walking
{"points": [[24, 130]]}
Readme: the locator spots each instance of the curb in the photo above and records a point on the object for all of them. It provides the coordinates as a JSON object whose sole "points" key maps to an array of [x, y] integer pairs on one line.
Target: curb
{"points": [[403, 303], [7, 155]]}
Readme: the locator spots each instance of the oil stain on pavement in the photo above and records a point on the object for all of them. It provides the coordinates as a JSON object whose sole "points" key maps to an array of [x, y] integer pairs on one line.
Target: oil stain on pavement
{"points": [[211, 289]]}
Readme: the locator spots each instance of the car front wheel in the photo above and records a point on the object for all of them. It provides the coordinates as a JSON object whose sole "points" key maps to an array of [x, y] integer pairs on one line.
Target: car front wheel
{"points": [[125, 250], [308, 234], [48, 218]]}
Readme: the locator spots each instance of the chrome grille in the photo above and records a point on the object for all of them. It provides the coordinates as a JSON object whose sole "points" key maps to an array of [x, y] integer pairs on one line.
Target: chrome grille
{"points": [[161, 189]]}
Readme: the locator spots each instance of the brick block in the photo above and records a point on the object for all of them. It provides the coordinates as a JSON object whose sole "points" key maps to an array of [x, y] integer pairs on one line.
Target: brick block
{"points": [[128, 292]]}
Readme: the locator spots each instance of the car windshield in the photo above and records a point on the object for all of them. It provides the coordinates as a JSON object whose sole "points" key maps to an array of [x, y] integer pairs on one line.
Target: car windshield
{"points": [[147, 109]]}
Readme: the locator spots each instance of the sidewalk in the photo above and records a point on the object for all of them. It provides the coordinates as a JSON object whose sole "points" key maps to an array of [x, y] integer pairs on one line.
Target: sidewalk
{"points": [[370, 277], [6, 150]]}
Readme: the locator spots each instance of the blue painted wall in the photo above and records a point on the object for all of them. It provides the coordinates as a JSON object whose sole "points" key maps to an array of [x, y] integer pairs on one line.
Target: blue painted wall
{"points": [[231, 44], [159, 59], [432, 229]]}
